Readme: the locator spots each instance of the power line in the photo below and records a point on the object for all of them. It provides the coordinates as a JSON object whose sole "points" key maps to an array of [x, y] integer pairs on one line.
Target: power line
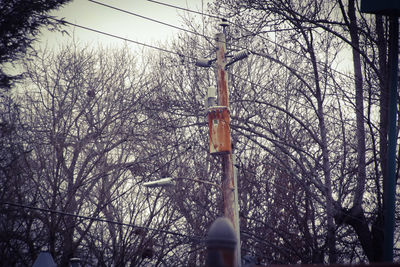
{"points": [[125, 39], [196, 33], [164, 23], [158, 48], [99, 219], [186, 9], [150, 19]]}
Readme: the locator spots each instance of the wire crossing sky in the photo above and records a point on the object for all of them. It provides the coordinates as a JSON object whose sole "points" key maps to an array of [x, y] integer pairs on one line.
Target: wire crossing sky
{"points": [[91, 14]]}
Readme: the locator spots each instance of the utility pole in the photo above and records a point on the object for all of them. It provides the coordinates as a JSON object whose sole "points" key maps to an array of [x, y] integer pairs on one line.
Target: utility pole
{"points": [[219, 130], [228, 185], [228, 181]]}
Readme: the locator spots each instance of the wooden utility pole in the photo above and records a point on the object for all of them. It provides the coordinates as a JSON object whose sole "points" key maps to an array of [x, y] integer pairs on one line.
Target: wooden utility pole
{"points": [[219, 132], [228, 180], [228, 185]]}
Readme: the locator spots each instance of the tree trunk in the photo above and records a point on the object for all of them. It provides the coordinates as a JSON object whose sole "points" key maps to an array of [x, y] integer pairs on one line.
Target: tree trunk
{"points": [[355, 216]]}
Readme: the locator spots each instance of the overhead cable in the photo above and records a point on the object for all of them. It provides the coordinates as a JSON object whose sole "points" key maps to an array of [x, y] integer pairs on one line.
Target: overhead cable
{"points": [[186, 9], [147, 18], [99, 219], [125, 39]]}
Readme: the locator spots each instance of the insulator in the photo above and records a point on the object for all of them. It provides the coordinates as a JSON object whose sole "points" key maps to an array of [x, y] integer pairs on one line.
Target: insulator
{"points": [[211, 91], [203, 62], [240, 55]]}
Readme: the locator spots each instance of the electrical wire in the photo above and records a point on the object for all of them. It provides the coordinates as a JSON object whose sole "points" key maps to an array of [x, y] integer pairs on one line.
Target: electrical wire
{"points": [[163, 50], [193, 238], [192, 32], [125, 39], [185, 9], [150, 19]]}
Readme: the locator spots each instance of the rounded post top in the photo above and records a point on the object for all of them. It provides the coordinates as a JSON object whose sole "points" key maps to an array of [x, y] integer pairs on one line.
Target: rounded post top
{"points": [[221, 234]]}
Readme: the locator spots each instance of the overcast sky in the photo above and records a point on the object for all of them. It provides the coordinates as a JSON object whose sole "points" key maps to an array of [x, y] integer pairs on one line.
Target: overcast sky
{"points": [[92, 15]]}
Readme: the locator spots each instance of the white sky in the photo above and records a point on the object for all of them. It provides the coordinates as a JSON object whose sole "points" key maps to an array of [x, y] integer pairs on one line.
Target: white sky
{"points": [[92, 15]]}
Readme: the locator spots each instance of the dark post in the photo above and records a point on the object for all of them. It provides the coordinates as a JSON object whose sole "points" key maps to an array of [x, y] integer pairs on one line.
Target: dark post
{"points": [[390, 184], [392, 10], [221, 244]]}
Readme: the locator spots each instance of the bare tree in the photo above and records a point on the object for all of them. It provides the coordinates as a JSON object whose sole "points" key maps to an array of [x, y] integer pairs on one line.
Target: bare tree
{"points": [[344, 159], [310, 138], [84, 113]]}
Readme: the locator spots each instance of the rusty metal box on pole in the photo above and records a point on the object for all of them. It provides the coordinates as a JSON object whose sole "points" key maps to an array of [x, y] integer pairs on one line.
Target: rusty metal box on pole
{"points": [[219, 130]]}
